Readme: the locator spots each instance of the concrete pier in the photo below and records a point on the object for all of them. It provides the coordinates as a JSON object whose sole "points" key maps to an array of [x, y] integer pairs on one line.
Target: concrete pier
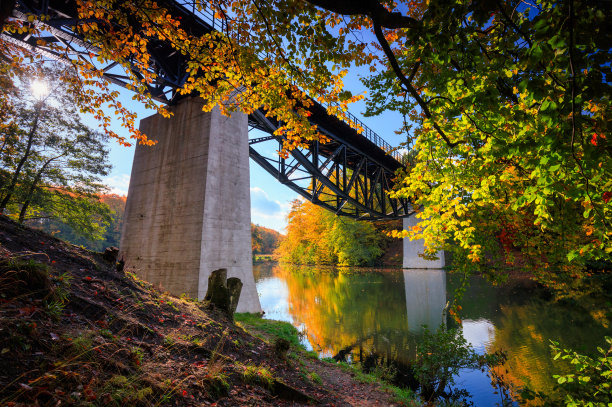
{"points": [[412, 249], [188, 209]]}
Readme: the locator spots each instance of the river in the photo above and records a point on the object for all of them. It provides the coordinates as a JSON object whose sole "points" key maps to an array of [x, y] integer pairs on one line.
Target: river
{"points": [[382, 312]]}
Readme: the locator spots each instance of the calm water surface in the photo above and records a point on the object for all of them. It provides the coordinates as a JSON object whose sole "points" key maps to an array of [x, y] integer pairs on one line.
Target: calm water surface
{"points": [[382, 312]]}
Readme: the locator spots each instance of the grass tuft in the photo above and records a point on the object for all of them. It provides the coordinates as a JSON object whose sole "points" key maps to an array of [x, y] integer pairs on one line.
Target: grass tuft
{"points": [[278, 329]]}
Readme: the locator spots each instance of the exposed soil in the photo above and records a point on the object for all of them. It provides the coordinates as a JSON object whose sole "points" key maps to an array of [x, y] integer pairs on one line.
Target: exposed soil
{"points": [[75, 331]]}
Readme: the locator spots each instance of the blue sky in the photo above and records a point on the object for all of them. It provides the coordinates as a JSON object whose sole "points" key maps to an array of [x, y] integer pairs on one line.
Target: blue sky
{"points": [[270, 200]]}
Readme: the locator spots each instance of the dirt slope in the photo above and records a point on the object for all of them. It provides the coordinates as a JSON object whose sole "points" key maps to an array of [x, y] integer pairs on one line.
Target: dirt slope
{"points": [[75, 331]]}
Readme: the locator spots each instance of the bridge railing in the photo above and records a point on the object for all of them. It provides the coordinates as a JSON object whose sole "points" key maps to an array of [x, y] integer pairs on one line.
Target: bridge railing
{"points": [[208, 16], [371, 135]]}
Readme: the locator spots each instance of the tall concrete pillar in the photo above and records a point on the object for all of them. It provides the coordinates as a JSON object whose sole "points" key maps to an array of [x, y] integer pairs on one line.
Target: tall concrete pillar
{"points": [[188, 209], [412, 249]]}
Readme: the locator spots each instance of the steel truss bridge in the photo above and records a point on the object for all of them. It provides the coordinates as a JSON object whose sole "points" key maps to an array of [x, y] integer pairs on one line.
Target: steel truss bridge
{"points": [[351, 174]]}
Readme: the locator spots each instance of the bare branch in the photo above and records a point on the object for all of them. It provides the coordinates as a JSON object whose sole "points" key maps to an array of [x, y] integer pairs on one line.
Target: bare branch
{"points": [[406, 82], [372, 8]]}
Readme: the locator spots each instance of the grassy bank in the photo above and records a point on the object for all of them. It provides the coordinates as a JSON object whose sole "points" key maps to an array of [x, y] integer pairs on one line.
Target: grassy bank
{"points": [[271, 330]]}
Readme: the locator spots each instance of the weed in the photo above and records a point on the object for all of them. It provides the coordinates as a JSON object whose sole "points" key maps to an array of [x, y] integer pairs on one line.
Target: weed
{"points": [[203, 325], [216, 380], [278, 329], [314, 377], [62, 284], [171, 304], [386, 372], [24, 277], [83, 343], [106, 333], [185, 297], [405, 397], [56, 301], [312, 354], [168, 341], [259, 375], [121, 391], [137, 354], [55, 309], [137, 280]]}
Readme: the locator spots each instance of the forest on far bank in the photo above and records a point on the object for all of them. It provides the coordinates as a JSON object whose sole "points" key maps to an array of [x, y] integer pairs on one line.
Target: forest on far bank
{"points": [[317, 236], [264, 240]]}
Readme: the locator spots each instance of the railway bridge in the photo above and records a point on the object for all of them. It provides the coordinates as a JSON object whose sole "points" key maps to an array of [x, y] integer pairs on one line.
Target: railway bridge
{"points": [[188, 206]]}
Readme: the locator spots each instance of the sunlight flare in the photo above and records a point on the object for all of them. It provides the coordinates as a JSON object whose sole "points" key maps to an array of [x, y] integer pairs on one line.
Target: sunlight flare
{"points": [[39, 88]]}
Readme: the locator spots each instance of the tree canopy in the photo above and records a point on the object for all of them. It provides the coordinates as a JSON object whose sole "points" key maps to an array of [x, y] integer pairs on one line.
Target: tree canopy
{"points": [[505, 103], [264, 240], [50, 162], [317, 236]]}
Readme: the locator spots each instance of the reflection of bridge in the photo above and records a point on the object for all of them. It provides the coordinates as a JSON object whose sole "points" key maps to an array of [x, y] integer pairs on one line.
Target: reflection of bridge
{"points": [[176, 227]]}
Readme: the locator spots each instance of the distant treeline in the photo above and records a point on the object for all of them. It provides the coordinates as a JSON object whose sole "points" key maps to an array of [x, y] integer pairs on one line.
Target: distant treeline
{"points": [[264, 240], [317, 236]]}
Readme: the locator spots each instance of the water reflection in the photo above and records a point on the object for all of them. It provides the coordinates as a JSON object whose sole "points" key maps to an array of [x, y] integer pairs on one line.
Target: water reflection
{"points": [[381, 312], [425, 298]]}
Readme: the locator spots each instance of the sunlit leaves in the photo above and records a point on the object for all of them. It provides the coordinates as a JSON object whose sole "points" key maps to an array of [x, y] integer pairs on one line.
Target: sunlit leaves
{"points": [[525, 162], [317, 236]]}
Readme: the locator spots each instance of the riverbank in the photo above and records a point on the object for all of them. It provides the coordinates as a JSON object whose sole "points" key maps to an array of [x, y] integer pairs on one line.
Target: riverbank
{"points": [[75, 331]]}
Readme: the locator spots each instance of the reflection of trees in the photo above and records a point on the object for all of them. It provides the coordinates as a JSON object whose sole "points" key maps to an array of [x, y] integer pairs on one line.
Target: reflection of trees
{"points": [[525, 330], [340, 310], [367, 312], [263, 270]]}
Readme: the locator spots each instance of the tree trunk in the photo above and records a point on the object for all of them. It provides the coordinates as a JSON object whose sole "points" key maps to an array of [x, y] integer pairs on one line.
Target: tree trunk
{"points": [[28, 197], [11, 187]]}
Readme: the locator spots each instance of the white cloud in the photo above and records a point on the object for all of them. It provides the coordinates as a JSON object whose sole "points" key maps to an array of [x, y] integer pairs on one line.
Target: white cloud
{"points": [[268, 212], [118, 184], [478, 333], [262, 204]]}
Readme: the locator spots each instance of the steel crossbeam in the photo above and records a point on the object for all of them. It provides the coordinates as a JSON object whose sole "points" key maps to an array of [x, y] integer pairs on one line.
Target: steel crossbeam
{"points": [[336, 176], [350, 175]]}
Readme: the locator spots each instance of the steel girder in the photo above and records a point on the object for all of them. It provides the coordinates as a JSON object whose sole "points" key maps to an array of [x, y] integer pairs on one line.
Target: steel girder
{"points": [[167, 65], [332, 174]]}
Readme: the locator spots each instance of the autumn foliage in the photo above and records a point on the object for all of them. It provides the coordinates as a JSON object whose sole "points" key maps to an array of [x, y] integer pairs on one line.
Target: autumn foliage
{"points": [[505, 105], [264, 240], [317, 236]]}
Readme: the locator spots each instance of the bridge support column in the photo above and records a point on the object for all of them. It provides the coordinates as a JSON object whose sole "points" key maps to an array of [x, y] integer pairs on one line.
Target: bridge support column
{"points": [[188, 209], [412, 249]]}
